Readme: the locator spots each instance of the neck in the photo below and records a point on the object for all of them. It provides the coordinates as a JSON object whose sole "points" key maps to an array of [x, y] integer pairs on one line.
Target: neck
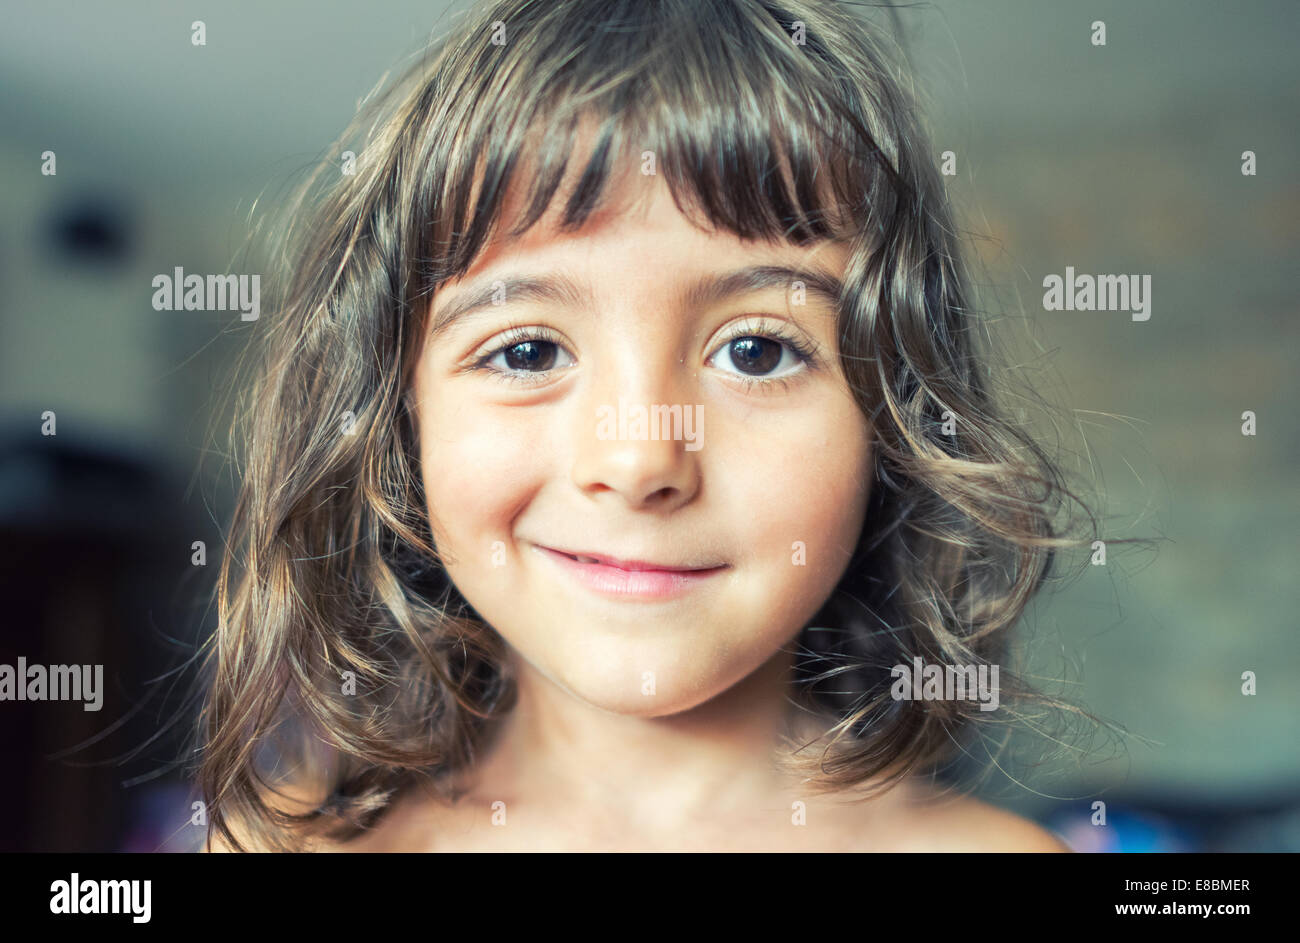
{"points": [[554, 748]]}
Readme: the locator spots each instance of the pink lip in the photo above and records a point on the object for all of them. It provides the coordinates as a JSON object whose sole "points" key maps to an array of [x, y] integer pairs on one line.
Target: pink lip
{"points": [[638, 578]]}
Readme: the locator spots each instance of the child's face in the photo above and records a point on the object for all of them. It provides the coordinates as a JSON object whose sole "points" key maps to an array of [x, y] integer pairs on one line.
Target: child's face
{"points": [[767, 492]]}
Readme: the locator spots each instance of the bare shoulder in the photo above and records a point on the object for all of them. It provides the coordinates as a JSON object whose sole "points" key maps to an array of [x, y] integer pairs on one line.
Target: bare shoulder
{"points": [[216, 843], [979, 826], [400, 825], [949, 822], [408, 824]]}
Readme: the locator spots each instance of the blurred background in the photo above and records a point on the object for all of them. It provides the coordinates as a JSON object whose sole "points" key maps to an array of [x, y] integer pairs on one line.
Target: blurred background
{"points": [[1122, 158]]}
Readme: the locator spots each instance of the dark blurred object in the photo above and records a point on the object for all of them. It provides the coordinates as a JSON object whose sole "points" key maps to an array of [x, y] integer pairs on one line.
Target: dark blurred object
{"points": [[93, 548], [91, 229]]}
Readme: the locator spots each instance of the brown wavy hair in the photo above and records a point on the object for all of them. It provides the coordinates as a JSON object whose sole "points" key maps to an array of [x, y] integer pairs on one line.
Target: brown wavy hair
{"points": [[790, 120]]}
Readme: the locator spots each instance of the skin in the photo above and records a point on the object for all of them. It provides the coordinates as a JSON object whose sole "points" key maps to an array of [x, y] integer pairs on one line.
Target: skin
{"points": [[516, 466], [591, 758]]}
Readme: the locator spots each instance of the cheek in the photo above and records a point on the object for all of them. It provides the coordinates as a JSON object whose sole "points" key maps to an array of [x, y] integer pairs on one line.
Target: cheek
{"points": [[479, 471], [799, 497]]}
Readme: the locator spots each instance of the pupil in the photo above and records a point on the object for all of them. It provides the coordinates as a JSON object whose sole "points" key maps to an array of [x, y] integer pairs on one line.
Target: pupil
{"points": [[755, 354], [536, 356]]}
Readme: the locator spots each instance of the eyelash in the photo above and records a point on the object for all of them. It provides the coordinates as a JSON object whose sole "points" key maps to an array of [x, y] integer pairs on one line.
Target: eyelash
{"points": [[801, 349], [513, 337]]}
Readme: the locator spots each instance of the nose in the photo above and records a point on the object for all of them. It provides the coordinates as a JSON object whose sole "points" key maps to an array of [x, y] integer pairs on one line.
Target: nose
{"points": [[638, 440]]}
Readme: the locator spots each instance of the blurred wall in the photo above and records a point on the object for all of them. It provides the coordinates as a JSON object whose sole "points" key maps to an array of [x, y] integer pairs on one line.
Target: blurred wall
{"points": [[1127, 158]]}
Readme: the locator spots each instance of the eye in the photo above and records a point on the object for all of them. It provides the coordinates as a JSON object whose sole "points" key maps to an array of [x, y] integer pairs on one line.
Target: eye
{"points": [[763, 356], [525, 355], [531, 356]]}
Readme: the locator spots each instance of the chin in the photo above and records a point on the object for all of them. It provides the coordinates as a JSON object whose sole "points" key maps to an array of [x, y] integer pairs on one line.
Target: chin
{"points": [[630, 702], [683, 677]]}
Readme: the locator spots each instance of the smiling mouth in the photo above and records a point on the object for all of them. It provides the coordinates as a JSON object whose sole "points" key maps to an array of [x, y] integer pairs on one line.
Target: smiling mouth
{"points": [[631, 565], [612, 576]]}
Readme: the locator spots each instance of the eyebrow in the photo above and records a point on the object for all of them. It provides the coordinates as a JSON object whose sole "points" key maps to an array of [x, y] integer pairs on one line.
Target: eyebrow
{"points": [[709, 289]]}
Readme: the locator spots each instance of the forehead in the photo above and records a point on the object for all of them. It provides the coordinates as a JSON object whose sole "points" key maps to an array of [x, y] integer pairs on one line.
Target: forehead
{"points": [[641, 233]]}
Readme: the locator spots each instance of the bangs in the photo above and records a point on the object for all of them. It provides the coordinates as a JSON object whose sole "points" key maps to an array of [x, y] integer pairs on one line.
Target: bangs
{"points": [[754, 133]]}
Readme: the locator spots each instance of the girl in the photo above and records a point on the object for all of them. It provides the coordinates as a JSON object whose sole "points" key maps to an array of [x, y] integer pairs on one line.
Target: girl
{"points": [[622, 467]]}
